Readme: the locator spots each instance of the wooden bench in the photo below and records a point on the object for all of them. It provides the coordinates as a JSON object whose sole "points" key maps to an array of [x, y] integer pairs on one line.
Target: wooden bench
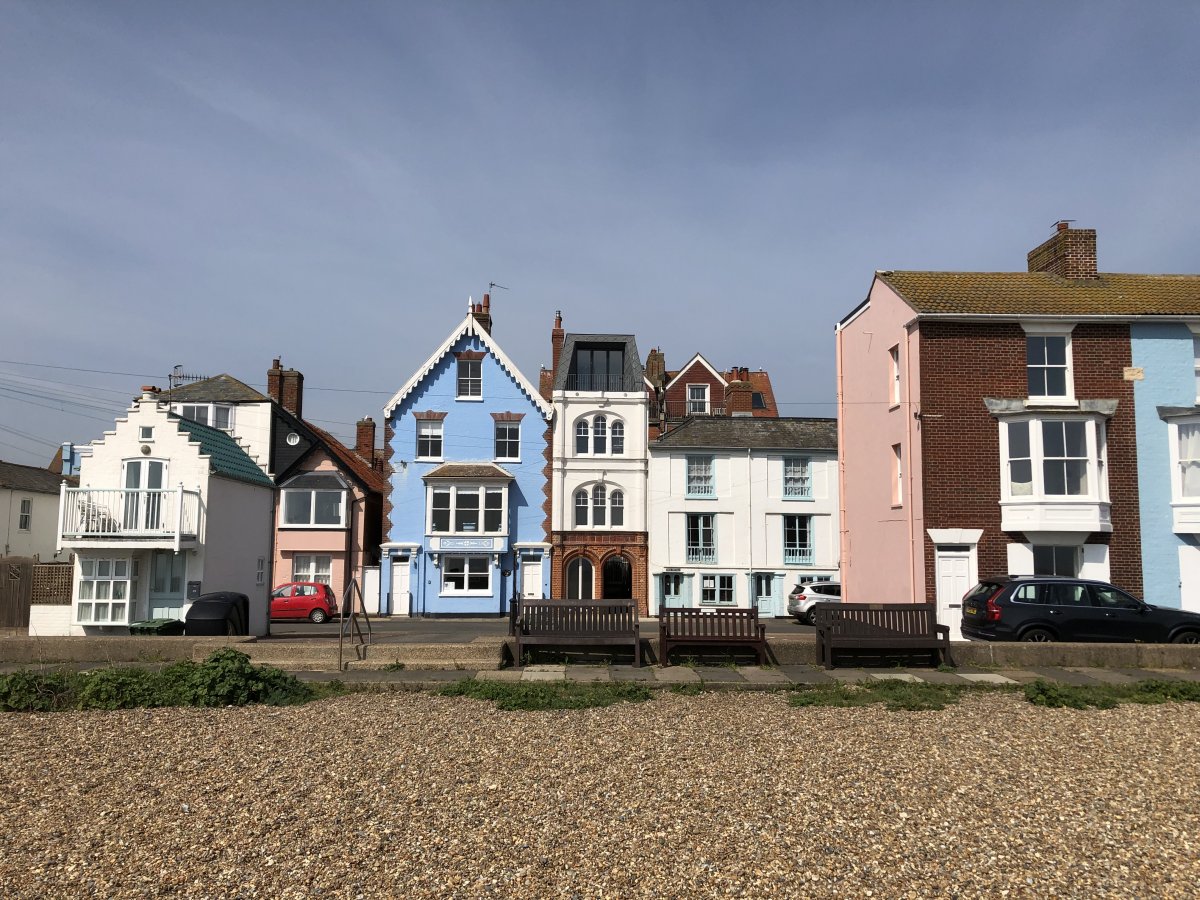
{"points": [[569, 623], [883, 626], [708, 627]]}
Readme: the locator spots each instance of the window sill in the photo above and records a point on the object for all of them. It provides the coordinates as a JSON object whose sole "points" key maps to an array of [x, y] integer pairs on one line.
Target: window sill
{"points": [[507, 459], [312, 527], [700, 496], [432, 459], [452, 594], [893, 407], [1051, 401], [793, 499], [469, 399]]}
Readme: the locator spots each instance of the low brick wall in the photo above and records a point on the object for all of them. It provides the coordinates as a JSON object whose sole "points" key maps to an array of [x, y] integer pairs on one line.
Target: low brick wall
{"points": [[40, 650]]}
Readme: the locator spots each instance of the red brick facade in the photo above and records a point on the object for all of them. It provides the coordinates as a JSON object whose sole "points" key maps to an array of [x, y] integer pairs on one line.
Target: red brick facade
{"points": [[961, 363], [598, 547]]}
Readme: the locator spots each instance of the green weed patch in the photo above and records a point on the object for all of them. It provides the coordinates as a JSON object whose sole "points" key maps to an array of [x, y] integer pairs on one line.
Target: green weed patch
{"points": [[548, 694], [225, 678], [895, 695], [1106, 696]]}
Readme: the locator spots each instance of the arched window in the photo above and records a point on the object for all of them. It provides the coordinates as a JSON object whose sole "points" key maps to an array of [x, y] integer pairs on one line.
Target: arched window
{"points": [[600, 435], [599, 495], [579, 579], [581, 507], [618, 437], [581, 436], [617, 508]]}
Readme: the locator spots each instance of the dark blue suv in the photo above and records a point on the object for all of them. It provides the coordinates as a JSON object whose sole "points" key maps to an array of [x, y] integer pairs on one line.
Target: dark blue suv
{"points": [[1053, 608]]}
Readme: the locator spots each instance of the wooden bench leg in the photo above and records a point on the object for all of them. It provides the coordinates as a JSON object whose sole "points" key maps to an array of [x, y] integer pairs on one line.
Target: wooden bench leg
{"points": [[637, 653]]}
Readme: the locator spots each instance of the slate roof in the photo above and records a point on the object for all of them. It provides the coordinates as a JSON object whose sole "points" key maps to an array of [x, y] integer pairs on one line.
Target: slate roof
{"points": [[715, 432], [469, 470], [226, 457], [32, 479], [1042, 294], [218, 389], [631, 378]]}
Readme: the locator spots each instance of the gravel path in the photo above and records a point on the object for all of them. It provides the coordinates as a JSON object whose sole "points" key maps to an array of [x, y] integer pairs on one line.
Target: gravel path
{"points": [[717, 795]]}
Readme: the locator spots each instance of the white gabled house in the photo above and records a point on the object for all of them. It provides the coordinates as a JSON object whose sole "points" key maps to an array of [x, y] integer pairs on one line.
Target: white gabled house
{"points": [[740, 510], [166, 509]]}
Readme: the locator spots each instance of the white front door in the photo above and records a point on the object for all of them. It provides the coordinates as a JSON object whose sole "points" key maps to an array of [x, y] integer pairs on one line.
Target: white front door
{"points": [[953, 580], [531, 578], [401, 598]]}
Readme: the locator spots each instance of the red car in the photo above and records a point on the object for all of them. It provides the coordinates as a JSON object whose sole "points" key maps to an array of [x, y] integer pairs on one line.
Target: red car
{"points": [[303, 600]]}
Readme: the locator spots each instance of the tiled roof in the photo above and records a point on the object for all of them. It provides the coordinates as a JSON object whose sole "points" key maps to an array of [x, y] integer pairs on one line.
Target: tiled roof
{"points": [[32, 479], [226, 457], [631, 377], [373, 480], [1041, 294], [469, 470], [760, 381], [756, 434], [218, 389]]}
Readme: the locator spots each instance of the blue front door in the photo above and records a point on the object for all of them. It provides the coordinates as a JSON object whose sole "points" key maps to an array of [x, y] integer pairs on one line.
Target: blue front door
{"points": [[765, 590]]}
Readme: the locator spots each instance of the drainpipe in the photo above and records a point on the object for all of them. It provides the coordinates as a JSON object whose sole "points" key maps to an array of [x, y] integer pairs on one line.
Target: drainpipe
{"points": [[843, 532], [915, 542]]}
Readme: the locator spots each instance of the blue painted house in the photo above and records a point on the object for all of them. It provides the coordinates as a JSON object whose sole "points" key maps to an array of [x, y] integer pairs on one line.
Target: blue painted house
{"points": [[465, 525], [1166, 357]]}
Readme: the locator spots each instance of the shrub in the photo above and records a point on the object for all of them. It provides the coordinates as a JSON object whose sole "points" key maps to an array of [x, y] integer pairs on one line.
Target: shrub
{"points": [[38, 691]]}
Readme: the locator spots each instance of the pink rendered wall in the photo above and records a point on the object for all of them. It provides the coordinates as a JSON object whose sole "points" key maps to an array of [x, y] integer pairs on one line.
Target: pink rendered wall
{"points": [[334, 542], [881, 541]]}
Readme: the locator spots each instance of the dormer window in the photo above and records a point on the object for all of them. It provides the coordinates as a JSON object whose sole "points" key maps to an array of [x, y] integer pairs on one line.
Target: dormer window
{"points": [[216, 415], [697, 399], [597, 367], [1048, 364]]}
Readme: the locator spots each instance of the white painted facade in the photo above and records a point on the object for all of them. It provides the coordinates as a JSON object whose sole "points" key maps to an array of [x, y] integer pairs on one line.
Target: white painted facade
{"points": [[227, 549], [749, 512], [250, 423], [573, 470], [39, 538]]}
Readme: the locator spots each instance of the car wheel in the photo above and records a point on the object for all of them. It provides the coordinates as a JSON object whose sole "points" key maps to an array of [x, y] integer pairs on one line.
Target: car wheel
{"points": [[1037, 636], [812, 617], [317, 616], [1186, 637]]}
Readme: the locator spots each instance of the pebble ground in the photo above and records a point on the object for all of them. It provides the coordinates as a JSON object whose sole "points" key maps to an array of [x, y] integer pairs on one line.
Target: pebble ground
{"points": [[412, 795]]}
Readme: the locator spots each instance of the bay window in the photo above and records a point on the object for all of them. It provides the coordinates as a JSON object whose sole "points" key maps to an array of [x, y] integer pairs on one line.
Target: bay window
{"points": [[106, 588], [467, 509], [1054, 457]]}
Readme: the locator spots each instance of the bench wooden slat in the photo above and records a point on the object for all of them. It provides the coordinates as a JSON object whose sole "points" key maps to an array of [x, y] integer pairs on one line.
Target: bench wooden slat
{"points": [[731, 627], [871, 625], [582, 622]]}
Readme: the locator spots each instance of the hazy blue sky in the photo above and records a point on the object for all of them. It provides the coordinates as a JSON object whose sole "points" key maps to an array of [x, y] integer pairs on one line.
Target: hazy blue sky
{"points": [[214, 184]]}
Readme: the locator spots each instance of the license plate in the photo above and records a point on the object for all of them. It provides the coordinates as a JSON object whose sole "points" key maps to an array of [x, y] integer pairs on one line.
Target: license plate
{"points": [[970, 610]]}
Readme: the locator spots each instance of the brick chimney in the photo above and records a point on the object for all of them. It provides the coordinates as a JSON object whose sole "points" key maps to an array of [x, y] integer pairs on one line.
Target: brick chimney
{"points": [[656, 367], [483, 313], [558, 337], [364, 438], [1070, 253], [286, 387], [739, 398]]}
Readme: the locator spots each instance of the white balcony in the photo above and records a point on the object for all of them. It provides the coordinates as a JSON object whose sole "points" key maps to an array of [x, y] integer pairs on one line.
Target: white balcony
{"points": [[104, 517], [1058, 514]]}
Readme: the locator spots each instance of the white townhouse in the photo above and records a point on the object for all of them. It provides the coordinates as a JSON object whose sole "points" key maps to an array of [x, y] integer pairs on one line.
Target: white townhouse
{"points": [[28, 510], [166, 509], [741, 509]]}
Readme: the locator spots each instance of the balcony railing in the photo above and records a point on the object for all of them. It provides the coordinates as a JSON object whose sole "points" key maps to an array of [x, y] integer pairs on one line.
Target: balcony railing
{"points": [[701, 554], [797, 556], [595, 382], [88, 514], [680, 409]]}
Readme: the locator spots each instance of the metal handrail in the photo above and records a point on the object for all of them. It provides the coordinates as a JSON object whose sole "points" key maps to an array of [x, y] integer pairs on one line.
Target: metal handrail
{"points": [[350, 614]]}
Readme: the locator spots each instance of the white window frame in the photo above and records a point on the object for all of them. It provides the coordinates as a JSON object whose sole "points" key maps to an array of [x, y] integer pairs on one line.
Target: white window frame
{"points": [[484, 491], [616, 506], [800, 485], [1095, 448], [701, 552], [468, 380], [285, 493], [599, 434], [1052, 330], [696, 483], [697, 406], [1196, 362], [210, 414], [146, 434], [25, 516], [471, 566], [313, 567], [894, 356], [108, 572], [431, 430], [897, 475], [1178, 497], [508, 440]]}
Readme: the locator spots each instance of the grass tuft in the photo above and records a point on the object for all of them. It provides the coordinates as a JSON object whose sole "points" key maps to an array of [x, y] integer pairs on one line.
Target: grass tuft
{"points": [[539, 695], [1106, 696]]}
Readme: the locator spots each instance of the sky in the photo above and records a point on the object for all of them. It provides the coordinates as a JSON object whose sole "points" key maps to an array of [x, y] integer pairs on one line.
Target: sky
{"points": [[212, 185]]}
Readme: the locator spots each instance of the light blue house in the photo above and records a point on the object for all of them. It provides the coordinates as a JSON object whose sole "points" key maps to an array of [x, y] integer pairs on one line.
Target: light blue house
{"points": [[1166, 360], [466, 438]]}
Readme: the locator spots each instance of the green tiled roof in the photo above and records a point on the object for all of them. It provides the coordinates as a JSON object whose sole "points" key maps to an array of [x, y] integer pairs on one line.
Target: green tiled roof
{"points": [[1041, 294], [225, 456]]}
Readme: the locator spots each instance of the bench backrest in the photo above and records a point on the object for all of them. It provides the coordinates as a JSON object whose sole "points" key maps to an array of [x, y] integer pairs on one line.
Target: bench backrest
{"points": [[849, 619], [715, 623], [599, 617]]}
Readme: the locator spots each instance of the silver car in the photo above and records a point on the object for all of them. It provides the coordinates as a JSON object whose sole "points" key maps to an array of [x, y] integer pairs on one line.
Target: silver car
{"points": [[804, 597]]}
